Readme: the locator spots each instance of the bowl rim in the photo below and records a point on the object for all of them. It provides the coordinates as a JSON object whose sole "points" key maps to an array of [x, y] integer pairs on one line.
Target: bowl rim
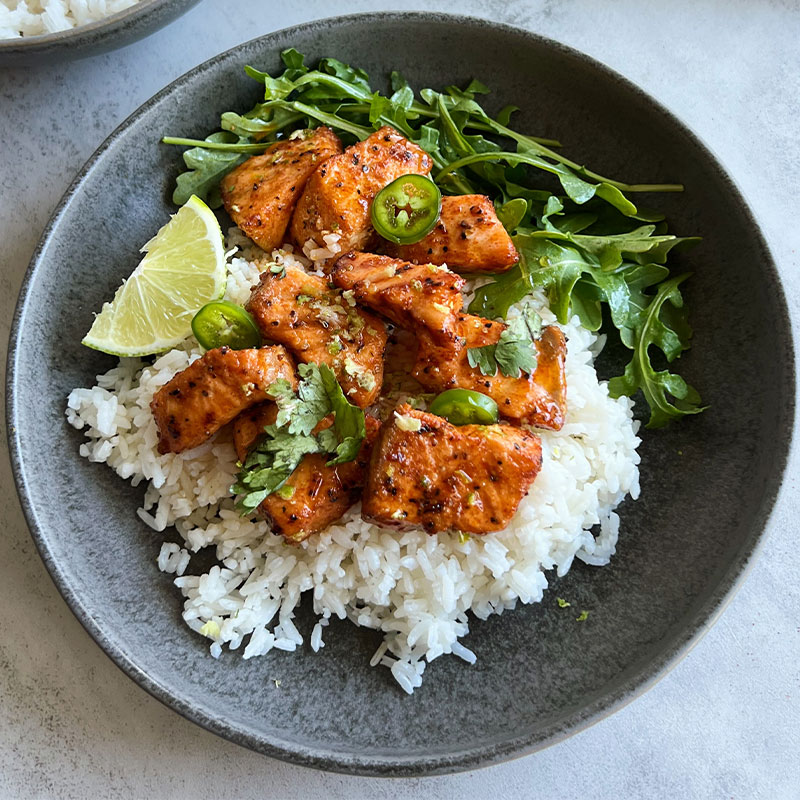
{"points": [[104, 27], [639, 678]]}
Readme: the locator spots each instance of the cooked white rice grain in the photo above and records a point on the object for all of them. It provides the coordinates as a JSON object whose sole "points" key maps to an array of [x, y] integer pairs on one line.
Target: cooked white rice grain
{"points": [[24, 18], [416, 589]]}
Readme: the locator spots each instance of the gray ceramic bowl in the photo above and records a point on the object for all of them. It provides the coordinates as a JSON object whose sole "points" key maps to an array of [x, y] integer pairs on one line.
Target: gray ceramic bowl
{"points": [[106, 34], [708, 483]]}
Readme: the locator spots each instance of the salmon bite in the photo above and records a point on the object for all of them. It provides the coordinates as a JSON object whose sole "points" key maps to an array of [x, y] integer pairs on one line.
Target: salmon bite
{"points": [[378, 390]]}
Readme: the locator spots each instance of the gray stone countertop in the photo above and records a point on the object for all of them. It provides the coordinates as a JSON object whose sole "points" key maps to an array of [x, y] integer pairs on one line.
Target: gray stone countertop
{"points": [[723, 724]]}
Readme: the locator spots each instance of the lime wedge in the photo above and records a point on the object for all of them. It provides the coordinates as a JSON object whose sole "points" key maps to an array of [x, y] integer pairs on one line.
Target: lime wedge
{"points": [[183, 269]]}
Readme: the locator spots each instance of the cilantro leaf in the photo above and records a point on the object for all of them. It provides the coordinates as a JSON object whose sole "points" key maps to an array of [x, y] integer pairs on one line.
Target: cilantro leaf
{"points": [[515, 351], [313, 401], [276, 455], [588, 246], [270, 462], [483, 358], [288, 402], [348, 423]]}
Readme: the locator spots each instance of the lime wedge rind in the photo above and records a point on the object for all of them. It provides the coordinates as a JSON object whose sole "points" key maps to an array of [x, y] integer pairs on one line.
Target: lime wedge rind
{"points": [[183, 269]]}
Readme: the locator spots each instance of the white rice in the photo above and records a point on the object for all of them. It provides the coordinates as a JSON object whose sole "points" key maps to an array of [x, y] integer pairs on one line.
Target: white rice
{"points": [[23, 18], [416, 589]]}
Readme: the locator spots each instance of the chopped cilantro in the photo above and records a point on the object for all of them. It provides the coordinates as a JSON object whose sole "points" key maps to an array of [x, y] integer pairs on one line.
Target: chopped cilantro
{"points": [[515, 352], [335, 346], [277, 269], [210, 629], [582, 616], [276, 455], [562, 603], [271, 461]]}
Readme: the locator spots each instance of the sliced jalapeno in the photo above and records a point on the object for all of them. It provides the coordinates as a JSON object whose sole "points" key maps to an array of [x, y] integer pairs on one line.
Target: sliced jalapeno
{"points": [[222, 323], [465, 407], [407, 209]]}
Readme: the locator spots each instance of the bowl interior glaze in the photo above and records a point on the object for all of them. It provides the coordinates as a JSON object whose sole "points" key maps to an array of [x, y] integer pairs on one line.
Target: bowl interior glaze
{"points": [[708, 483]]}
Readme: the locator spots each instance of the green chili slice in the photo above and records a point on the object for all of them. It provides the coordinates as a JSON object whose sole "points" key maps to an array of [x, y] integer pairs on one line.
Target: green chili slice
{"points": [[222, 323], [407, 209], [465, 407]]}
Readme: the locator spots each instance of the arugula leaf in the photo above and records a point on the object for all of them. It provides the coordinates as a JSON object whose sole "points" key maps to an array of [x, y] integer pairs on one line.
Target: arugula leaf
{"points": [[206, 169], [402, 93], [512, 213], [586, 301], [295, 63], [340, 95], [578, 190], [641, 244], [261, 122], [588, 246], [575, 282], [668, 331], [352, 75], [543, 265]]}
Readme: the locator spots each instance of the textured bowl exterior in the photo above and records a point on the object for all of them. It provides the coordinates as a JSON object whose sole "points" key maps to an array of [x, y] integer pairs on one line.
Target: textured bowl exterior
{"points": [[98, 37], [708, 483]]}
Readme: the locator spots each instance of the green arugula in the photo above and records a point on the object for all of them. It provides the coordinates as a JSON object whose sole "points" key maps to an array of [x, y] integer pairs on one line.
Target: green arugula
{"points": [[207, 167], [515, 352], [583, 241], [576, 282], [663, 325], [276, 455], [450, 125]]}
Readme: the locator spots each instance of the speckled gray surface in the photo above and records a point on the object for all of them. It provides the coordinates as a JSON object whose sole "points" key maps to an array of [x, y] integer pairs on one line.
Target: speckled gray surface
{"points": [[722, 724]]}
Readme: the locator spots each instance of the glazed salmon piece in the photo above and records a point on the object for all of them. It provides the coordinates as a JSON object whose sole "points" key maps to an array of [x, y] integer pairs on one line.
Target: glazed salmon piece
{"points": [[468, 238], [250, 424], [431, 310], [318, 325], [213, 390], [539, 399], [261, 194], [338, 195], [321, 494], [407, 294], [426, 473]]}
